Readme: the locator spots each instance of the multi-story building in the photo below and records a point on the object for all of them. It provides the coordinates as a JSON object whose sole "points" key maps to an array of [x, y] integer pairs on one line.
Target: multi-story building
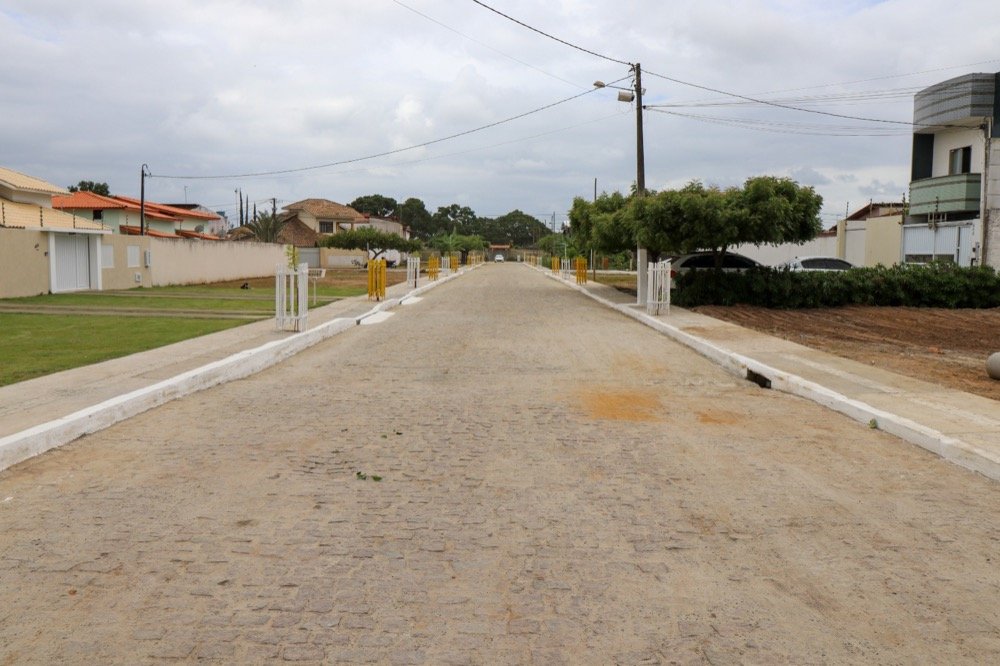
{"points": [[955, 173]]}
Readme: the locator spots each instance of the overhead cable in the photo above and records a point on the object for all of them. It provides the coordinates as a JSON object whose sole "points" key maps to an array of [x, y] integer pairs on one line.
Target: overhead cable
{"points": [[386, 153], [552, 37]]}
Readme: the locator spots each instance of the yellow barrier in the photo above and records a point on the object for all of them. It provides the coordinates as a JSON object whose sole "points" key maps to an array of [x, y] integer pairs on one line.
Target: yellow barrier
{"points": [[376, 280], [433, 268], [581, 270], [555, 264]]}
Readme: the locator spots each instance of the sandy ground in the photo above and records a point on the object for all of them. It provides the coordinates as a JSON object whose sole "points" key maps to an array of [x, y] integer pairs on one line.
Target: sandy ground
{"points": [[949, 347], [556, 484]]}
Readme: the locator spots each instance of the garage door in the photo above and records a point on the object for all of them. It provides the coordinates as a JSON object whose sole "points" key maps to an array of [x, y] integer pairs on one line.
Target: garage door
{"points": [[72, 259]]}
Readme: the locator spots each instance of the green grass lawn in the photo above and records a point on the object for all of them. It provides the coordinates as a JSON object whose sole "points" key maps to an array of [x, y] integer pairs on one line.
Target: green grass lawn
{"points": [[34, 345], [201, 297]]}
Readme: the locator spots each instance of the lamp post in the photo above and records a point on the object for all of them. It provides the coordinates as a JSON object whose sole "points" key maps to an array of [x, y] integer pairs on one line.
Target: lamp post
{"points": [[628, 95]]}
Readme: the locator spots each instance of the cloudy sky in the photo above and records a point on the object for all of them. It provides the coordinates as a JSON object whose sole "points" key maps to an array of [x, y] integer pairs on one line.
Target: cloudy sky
{"points": [[207, 93]]}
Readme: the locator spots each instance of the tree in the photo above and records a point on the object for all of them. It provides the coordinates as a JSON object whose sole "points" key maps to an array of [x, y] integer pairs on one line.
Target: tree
{"points": [[91, 186], [454, 218], [414, 215], [373, 240], [766, 210], [514, 228], [375, 205], [266, 227], [455, 242], [605, 225]]}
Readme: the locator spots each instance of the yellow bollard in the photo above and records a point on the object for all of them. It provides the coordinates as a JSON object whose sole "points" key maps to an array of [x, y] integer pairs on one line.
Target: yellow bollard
{"points": [[581, 270], [433, 267], [376, 279]]}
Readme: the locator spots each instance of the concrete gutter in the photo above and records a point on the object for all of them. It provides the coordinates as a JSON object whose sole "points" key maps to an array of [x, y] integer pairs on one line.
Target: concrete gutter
{"points": [[33, 441], [980, 459]]}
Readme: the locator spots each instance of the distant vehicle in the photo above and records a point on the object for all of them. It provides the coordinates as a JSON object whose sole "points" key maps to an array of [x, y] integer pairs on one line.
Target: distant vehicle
{"points": [[816, 264], [498, 258], [703, 260]]}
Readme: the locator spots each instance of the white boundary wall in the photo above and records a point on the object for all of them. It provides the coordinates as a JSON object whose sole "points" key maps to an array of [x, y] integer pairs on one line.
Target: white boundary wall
{"points": [[191, 261]]}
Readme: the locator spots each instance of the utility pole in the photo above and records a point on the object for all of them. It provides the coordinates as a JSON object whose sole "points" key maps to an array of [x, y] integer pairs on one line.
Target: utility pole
{"points": [[274, 208], [641, 262], [142, 199]]}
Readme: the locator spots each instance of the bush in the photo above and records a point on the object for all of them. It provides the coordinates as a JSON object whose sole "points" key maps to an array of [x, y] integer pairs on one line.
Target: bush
{"points": [[939, 285]]}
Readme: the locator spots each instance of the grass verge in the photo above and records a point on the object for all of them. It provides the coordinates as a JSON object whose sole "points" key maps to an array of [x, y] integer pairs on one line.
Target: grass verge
{"points": [[33, 345]]}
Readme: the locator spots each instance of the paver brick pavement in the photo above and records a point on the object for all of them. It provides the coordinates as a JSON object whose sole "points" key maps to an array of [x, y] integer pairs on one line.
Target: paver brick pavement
{"points": [[556, 484]]}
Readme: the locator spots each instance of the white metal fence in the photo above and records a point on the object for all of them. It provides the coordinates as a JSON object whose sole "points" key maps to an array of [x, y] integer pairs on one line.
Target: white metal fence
{"points": [[658, 288], [291, 297]]}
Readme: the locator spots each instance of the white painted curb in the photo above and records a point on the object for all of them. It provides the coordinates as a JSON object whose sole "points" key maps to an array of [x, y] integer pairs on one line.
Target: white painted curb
{"points": [[31, 442], [950, 448]]}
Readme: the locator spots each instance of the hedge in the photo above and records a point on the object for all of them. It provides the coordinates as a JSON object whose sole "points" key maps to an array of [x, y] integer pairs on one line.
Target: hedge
{"points": [[939, 285]]}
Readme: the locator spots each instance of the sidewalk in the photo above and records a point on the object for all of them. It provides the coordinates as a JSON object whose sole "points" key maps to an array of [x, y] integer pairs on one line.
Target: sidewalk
{"points": [[43, 413], [958, 426]]}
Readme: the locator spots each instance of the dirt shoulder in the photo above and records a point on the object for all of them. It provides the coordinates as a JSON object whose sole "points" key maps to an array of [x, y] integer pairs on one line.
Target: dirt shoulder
{"points": [[938, 345]]}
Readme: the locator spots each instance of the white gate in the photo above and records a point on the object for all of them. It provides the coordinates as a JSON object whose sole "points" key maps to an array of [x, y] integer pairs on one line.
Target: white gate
{"points": [[291, 297], [658, 288], [566, 269], [72, 262], [412, 271]]}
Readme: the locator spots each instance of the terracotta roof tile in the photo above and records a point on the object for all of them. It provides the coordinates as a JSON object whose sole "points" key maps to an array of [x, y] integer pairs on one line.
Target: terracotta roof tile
{"points": [[87, 200], [19, 181], [29, 216], [324, 208]]}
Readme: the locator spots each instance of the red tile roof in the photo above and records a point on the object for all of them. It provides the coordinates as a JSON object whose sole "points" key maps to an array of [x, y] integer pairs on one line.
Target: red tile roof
{"points": [[87, 200], [194, 234], [171, 210]]}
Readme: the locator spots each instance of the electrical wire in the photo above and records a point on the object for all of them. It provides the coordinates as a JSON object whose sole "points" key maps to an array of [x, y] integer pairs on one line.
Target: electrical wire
{"points": [[384, 153], [784, 127], [552, 37], [485, 45]]}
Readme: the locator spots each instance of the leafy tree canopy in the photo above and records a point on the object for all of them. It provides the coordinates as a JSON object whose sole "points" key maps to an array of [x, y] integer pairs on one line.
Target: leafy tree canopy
{"points": [[605, 224], [514, 228], [766, 210], [91, 186], [414, 214], [371, 239], [375, 205], [454, 242]]}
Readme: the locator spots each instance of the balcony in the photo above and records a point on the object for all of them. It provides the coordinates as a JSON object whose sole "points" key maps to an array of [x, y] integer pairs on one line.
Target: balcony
{"points": [[946, 194]]}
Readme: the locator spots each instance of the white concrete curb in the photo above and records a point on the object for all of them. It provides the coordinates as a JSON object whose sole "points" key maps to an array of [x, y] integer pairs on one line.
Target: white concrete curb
{"points": [[31, 442], [950, 448]]}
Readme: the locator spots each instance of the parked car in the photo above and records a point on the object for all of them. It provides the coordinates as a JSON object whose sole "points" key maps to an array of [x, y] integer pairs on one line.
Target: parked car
{"points": [[498, 258], [702, 260], [816, 264]]}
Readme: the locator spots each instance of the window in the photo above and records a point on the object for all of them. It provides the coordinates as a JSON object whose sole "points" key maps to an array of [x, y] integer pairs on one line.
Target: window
{"points": [[960, 161], [98, 214], [326, 227]]}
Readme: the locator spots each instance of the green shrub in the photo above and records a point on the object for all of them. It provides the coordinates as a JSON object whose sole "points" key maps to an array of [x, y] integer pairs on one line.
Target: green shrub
{"points": [[939, 285]]}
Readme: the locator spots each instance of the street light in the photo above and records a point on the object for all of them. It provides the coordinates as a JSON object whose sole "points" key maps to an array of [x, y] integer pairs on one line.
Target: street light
{"points": [[628, 95]]}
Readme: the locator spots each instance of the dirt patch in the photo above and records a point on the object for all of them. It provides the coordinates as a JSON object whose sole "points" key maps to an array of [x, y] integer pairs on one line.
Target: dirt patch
{"points": [[621, 405], [949, 347]]}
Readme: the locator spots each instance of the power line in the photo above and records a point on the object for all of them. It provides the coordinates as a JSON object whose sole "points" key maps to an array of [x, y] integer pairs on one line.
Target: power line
{"points": [[385, 153], [552, 37], [484, 44], [782, 127]]}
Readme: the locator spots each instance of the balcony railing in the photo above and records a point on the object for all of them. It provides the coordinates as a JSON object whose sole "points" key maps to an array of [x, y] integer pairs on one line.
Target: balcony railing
{"points": [[946, 194]]}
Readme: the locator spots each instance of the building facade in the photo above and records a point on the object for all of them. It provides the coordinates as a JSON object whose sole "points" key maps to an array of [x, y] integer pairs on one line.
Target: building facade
{"points": [[955, 173]]}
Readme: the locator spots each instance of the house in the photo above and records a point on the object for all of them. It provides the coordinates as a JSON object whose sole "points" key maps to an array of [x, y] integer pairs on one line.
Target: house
{"points": [[324, 216], [872, 235], [955, 173], [67, 246], [122, 215]]}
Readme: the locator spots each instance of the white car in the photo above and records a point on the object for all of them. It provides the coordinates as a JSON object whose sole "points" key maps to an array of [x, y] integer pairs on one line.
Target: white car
{"points": [[816, 264], [498, 258]]}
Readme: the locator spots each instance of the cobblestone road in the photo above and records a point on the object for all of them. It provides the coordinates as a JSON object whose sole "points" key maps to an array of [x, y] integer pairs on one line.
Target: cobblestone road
{"points": [[503, 472]]}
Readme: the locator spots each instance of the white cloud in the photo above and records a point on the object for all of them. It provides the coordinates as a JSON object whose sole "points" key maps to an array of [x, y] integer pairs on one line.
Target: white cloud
{"points": [[218, 87]]}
